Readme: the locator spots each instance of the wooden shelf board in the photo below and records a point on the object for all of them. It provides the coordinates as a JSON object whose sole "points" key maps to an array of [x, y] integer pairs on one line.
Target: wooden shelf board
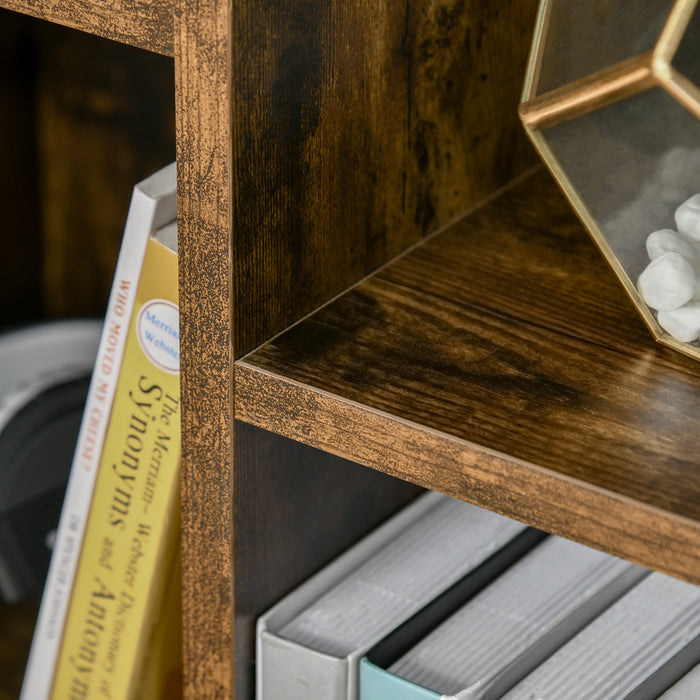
{"points": [[146, 24], [500, 362]]}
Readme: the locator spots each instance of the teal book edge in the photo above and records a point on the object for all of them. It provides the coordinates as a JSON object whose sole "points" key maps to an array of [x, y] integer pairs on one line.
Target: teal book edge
{"points": [[378, 684]]}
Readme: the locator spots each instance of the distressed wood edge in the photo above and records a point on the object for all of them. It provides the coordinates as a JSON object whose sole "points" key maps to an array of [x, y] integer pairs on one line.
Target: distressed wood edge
{"points": [[556, 503], [151, 31], [203, 126]]}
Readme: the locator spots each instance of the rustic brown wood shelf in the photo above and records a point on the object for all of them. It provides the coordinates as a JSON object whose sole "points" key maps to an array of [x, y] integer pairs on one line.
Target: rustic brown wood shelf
{"points": [[144, 24], [499, 362]]}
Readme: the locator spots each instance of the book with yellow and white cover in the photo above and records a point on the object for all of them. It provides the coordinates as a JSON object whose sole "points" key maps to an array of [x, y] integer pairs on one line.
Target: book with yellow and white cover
{"points": [[153, 205], [133, 528]]}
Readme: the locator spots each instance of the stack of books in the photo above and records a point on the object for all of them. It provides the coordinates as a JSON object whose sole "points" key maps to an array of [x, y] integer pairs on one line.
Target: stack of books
{"points": [[450, 602]]}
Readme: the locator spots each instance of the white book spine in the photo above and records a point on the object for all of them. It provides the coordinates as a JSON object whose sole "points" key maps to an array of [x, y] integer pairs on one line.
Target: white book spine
{"points": [[152, 205]]}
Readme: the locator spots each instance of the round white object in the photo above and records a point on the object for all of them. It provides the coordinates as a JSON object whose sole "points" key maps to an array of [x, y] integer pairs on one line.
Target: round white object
{"points": [[668, 241], [668, 282], [684, 323], [157, 326], [688, 218]]}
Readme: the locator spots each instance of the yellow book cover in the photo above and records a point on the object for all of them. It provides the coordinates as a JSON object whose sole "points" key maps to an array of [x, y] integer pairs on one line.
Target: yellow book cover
{"points": [[162, 677], [129, 551]]}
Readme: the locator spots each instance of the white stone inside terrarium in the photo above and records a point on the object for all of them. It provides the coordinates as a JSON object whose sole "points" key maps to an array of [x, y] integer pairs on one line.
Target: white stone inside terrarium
{"points": [[684, 323], [668, 241], [670, 284], [688, 218]]}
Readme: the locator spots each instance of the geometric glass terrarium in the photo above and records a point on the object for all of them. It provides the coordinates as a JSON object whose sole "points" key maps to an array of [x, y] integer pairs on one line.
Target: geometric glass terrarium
{"points": [[612, 103]]}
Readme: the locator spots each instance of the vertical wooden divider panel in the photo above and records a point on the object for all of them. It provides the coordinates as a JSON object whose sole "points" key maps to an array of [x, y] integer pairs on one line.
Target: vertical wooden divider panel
{"points": [[203, 128], [316, 141]]}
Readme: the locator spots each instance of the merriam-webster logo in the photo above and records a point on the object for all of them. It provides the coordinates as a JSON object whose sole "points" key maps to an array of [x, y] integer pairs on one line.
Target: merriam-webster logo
{"points": [[158, 331]]}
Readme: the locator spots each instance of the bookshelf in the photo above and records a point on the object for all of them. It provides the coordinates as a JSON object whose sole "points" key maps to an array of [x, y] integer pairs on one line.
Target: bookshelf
{"points": [[374, 272]]}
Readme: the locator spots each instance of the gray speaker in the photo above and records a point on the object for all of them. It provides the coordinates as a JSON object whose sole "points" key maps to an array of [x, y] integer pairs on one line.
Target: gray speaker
{"points": [[44, 378]]}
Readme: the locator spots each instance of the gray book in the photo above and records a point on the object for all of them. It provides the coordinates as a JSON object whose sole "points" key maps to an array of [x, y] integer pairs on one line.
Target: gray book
{"points": [[512, 626], [309, 644], [636, 649]]}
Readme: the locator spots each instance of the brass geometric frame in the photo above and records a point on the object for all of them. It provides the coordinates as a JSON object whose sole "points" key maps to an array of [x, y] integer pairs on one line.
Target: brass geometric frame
{"points": [[648, 70]]}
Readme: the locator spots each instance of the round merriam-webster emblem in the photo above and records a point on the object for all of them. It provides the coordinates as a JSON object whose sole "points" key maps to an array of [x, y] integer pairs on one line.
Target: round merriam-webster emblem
{"points": [[158, 331]]}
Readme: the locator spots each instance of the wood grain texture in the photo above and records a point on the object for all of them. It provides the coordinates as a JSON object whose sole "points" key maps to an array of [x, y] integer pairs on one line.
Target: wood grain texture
{"points": [[358, 128], [203, 126], [501, 363], [146, 24], [102, 125], [295, 510]]}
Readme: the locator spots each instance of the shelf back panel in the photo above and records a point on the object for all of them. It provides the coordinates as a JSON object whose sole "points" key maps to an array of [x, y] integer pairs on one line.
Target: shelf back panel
{"points": [[75, 135], [358, 128], [103, 124], [20, 264]]}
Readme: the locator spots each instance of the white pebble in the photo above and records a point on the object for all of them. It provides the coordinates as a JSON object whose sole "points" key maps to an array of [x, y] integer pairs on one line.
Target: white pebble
{"points": [[688, 218], [668, 241], [684, 323], [668, 282]]}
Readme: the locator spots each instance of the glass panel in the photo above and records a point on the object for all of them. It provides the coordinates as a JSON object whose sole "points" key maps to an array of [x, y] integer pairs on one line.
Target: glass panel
{"points": [[633, 163], [687, 58], [585, 36]]}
